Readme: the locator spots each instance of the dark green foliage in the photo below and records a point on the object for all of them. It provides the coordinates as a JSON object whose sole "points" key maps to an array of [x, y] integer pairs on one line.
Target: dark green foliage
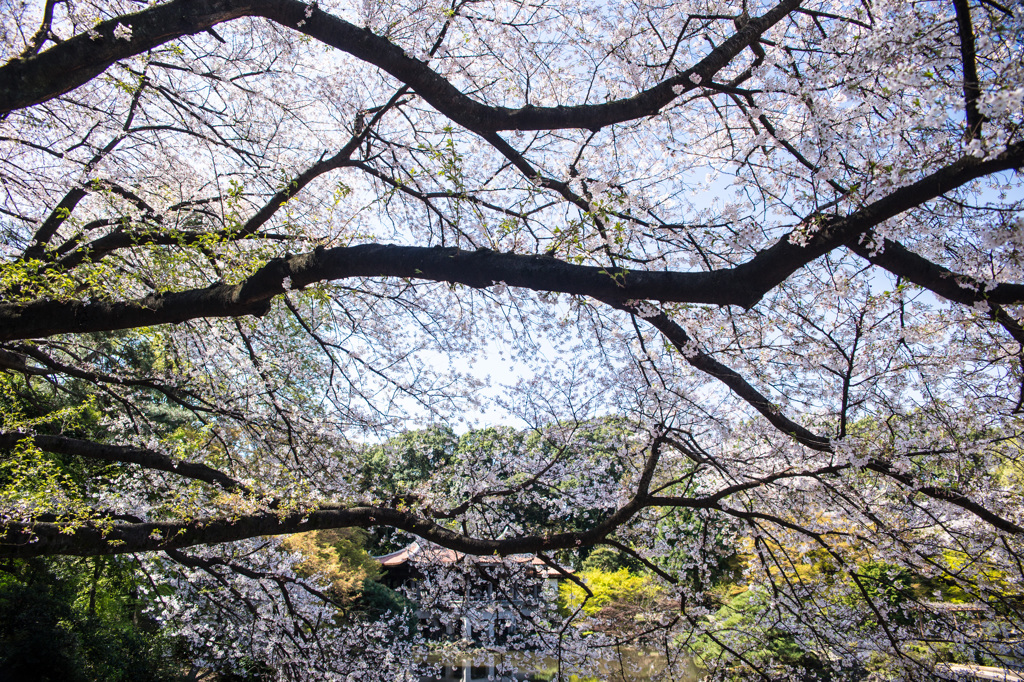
{"points": [[37, 639], [77, 620], [73, 619], [681, 530], [781, 648], [396, 466], [379, 601], [889, 587], [766, 647], [609, 560], [409, 458], [248, 670]]}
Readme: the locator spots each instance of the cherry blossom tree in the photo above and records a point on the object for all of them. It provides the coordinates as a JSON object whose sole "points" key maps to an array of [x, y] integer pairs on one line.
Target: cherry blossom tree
{"points": [[780, 242]]}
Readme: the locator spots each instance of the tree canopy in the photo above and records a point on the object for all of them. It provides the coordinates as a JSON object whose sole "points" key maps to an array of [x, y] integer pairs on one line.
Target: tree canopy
{"points": [[758, 265]]}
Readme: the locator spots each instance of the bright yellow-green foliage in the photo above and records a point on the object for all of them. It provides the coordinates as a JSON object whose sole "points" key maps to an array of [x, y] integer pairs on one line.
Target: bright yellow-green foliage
{"points": [[1010, 474], [338, 557], [13, 418], [974, 569], [30, 481], [25, 280], [608, 587]]}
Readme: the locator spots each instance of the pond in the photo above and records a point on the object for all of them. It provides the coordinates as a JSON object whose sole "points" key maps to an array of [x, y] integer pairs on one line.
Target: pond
{"points": [[523, 668]]}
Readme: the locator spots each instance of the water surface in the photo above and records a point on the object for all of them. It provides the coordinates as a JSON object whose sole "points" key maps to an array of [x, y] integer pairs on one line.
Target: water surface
{"points": [[639, 666]]}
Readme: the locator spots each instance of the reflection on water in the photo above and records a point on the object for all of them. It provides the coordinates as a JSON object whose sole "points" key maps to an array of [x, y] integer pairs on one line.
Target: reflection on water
{"points": [[468, 672], [641, 666]]}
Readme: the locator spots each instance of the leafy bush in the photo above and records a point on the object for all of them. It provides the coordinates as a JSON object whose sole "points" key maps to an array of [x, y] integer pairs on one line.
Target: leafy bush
{"points": [[77, 621], [622, 587]]}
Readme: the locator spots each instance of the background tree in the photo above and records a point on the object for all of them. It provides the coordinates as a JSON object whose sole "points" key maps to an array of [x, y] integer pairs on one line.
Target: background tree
{"points": [[746, 229]]}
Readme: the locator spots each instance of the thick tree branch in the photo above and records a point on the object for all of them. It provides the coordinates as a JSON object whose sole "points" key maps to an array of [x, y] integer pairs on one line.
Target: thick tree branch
{"points": [[972, 86], [736, 383], [19, 363], [480, 269], [742, 285], [44, 538], [146, 458], [60, 213], [63, 67], [946, 495], [901, 261], [48, 537]]}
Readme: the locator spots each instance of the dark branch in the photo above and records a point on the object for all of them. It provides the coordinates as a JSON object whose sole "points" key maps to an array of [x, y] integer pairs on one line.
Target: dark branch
{"points": [[901, 261], [47, 538], [736, 383], [972, 86], [148, 459], [742, 285], [63, 67]]}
